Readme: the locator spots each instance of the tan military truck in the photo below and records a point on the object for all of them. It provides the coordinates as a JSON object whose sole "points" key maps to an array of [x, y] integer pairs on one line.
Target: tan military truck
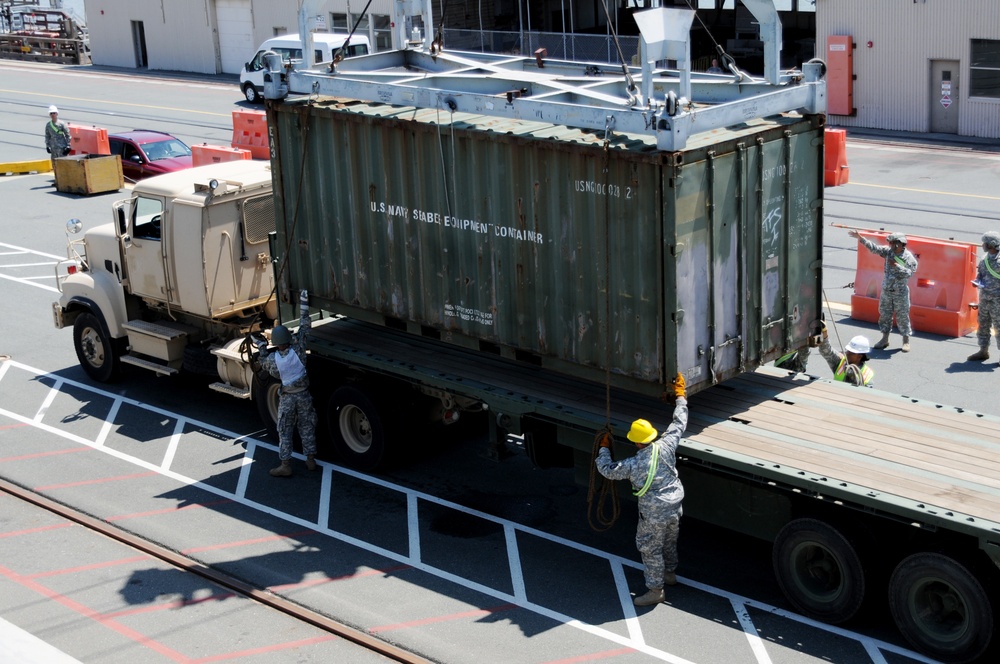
{"points": [[177, 280]]}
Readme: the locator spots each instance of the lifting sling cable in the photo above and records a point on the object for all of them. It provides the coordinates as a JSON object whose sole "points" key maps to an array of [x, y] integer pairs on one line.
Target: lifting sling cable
{"points": [[339, 55], [596, 511], [621, 56]]}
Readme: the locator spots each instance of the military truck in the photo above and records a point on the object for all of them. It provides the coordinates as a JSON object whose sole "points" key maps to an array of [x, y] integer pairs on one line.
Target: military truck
{"points": [[178, 279]]}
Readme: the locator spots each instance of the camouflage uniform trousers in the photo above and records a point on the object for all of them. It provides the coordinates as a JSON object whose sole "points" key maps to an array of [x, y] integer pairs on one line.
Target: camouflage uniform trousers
{"points": [[989, 318], [894, 301], [656, 539], [295, 409]]}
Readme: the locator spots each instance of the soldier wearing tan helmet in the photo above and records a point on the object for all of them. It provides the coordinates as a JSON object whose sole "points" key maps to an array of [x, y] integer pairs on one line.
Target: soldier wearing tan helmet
{"points": [[988, 282], [653, 474], [900, 265]]}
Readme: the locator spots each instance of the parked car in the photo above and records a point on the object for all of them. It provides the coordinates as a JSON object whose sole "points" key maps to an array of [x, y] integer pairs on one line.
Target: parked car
{"points": [[146, 153]]}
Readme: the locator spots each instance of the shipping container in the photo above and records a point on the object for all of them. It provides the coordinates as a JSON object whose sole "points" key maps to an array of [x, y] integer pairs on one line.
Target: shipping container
{"points": [[597, 256]]}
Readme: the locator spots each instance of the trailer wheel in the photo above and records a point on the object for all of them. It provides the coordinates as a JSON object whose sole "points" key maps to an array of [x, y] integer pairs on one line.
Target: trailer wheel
{"points": [[941, 608], [98, 354], [267, 396], [818, 570], [356, 428]]}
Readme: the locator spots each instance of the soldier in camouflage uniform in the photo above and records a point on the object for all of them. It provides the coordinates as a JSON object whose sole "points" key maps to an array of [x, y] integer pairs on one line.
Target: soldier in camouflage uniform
{"points": [[288, 363], [988, 282], [900, 265], [653, 473]]}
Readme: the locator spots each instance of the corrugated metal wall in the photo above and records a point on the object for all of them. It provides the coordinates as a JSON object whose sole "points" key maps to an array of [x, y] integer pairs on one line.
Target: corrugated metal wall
{"points": [[894, 89], [536, 240]]}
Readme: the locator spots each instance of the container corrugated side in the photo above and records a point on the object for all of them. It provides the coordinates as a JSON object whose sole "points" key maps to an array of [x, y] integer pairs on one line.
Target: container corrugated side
{"points": [[546, 244]]}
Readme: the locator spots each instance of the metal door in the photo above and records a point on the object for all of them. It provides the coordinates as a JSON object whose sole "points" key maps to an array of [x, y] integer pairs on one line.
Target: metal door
{"points": [[944, 96]]}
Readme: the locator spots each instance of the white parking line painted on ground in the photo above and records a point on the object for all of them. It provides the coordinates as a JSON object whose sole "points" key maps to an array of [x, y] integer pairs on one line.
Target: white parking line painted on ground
{"points": [[756, 645], [14, 250], [634, 640]]}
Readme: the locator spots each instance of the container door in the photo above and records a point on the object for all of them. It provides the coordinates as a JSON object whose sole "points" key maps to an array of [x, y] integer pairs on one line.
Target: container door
{"points": [[944, 96]]}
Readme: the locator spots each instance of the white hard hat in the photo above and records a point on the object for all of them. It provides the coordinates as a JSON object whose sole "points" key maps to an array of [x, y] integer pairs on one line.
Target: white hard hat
{"points": [[859, 345], [53, 109]]}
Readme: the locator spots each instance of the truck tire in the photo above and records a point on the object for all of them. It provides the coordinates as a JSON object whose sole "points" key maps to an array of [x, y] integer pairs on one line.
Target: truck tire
{"points": [[267, 396], [96, 352], [818, 570], [941, 608], [356, 428]]}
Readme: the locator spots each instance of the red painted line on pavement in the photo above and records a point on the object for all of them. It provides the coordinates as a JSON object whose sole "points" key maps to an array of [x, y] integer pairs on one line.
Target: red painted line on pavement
{"points": [[169, 606], [38, 455], [31, 531], [87, 612], [256, 651], [345, 577], [102, 480], [13, 426], [168, 510], [478, 613], [593, 656], [85, 568], [227, 545]]}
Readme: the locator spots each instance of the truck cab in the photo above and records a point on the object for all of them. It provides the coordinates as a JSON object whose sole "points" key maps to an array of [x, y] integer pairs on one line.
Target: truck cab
{"points": [[178, 278]]}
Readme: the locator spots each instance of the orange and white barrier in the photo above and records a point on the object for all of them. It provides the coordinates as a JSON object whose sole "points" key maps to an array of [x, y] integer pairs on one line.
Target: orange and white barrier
{"points": [[942, 298], [213, 154], [88, 140], [250, 133], [835, 170]]}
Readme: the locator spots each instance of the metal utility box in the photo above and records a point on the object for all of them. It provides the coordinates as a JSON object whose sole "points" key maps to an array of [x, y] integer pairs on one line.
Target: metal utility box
{"points": [[89, 174], [547, 244]]}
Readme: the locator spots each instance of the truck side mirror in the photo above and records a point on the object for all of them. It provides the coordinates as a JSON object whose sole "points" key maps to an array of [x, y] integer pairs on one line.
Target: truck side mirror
{"points": [[122, 223]]}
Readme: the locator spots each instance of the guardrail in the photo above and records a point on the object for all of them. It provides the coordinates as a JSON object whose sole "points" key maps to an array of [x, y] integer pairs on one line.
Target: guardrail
{"points": [[44, 49]]}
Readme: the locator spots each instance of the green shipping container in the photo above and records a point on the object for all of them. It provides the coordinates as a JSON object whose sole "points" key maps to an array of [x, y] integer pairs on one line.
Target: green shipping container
{"points": [[591, 255]]}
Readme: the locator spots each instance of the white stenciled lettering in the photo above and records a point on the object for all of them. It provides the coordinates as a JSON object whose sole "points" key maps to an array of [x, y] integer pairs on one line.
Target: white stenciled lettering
{"points": [[597, 188]]}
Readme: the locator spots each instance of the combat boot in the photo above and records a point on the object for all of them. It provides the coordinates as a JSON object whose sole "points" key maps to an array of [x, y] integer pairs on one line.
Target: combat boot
{"points": [[652, 596], [283, 470], [883, 342], [982, 354], [906, 344], [670, 579], [311, 461]]}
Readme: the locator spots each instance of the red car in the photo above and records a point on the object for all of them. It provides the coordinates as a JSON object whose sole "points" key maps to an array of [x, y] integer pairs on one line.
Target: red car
{"points": [[146, 153]]}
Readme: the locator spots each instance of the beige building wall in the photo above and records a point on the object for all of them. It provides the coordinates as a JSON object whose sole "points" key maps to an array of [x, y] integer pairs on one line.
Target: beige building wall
{"points": [[896, 44], [183, 35]]}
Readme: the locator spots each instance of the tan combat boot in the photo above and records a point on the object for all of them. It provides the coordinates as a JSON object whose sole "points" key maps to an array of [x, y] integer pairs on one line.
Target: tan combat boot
{"points": [[652, 596], [906, 344], [283, 470], [311, 461], [883, 342], [982, 354]]}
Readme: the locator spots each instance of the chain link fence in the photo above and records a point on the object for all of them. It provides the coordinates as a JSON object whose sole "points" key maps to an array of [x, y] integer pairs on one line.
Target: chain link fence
{"points": [[560, 45]]}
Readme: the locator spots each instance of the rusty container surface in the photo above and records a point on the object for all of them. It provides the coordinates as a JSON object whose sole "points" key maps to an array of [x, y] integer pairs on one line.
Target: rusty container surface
{"points": [[603, 259]]}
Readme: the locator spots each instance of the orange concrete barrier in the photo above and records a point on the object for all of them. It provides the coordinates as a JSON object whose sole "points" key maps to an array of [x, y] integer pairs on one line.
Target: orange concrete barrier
{"points": [[88, 140], [942, 298], [250, 133], [213, 154], [835, 169]]}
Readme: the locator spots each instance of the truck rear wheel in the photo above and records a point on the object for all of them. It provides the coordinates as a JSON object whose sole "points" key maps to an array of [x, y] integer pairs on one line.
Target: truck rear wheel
{"points": [[267, 397], [941, 608], [96, 352], [356, 428], [818, 570]]}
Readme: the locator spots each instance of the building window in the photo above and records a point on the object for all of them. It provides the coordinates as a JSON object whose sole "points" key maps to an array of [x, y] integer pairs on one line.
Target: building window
{"points": [[984, 69], [376, 27]]}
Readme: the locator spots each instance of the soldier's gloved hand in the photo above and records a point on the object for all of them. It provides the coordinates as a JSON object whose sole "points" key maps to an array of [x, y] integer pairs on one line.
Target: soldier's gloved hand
{"points": [[261, 344], [679, 386], [304, 301], [605, 441], [826, 335]]}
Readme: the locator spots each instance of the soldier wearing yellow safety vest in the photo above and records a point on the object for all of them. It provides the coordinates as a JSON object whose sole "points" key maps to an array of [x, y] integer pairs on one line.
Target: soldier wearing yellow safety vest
{"points": [[988, 283], [653, 473], [850, 366]]}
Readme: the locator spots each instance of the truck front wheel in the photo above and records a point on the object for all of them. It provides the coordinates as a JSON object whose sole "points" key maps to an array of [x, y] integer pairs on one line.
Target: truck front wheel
{"points": [[267, 397], [356, 428], [941, 608], [818, 570], [96, 353]]}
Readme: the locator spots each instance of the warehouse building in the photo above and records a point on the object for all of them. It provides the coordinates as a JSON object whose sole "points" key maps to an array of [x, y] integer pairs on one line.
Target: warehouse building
{"points": [[912, 65]]}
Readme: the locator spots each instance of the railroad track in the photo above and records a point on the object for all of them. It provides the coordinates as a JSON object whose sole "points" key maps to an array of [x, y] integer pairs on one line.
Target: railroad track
{"points": [[220, 579]]}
